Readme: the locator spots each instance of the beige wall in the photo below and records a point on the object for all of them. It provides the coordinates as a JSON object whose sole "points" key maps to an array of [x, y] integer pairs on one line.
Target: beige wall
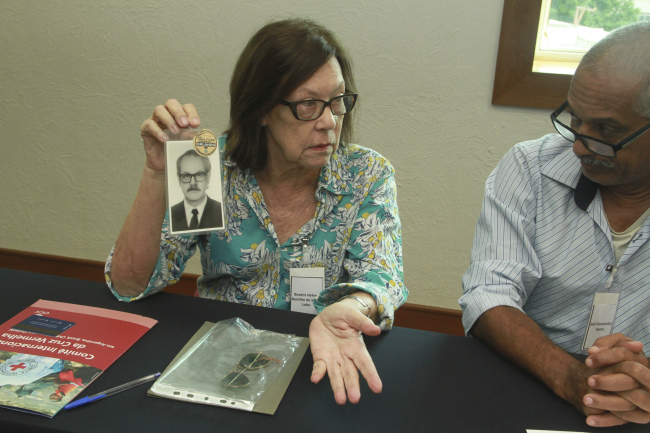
{"points": [[78, 77]]}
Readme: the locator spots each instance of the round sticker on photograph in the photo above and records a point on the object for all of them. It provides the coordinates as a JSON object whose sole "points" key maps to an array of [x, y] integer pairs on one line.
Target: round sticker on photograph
{"points": [[205, 142]]}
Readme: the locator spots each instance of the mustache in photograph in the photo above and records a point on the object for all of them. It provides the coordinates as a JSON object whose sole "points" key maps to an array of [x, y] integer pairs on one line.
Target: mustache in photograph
{"points": [[592, 160], [193, 188]]}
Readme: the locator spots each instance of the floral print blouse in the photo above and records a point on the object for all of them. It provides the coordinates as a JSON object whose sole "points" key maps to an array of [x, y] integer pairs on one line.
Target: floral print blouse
{"points": [[355, 235]]}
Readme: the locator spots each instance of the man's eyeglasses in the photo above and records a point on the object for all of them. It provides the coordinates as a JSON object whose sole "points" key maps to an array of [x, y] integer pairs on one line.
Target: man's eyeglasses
{"points": [[187, 178], [252, 361], [310, 109], [562, 118]]}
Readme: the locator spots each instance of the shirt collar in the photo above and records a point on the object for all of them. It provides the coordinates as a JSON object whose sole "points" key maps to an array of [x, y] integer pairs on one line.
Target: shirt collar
{"points": [[565, 168], [336, 176], [585, 192], [188, 209]]}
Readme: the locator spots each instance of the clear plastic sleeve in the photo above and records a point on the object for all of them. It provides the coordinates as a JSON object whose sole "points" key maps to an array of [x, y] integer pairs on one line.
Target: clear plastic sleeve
{"points": [[232, 365]]}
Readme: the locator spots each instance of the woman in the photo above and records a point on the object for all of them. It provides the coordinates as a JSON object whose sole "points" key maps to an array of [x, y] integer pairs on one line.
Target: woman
{"points": [[296, 194]]}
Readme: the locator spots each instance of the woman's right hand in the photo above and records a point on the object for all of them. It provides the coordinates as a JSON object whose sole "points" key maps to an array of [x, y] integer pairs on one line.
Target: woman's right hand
{"points": [[172, 116]]}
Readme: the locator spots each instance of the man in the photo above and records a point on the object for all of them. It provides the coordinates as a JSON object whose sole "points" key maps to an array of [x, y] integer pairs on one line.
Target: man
{"points": [[561, 256], [197, 211]]}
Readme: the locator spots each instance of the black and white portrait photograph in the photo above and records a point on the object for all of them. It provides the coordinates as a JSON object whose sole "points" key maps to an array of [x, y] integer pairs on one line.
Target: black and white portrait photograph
{"points": [[194, 194]]}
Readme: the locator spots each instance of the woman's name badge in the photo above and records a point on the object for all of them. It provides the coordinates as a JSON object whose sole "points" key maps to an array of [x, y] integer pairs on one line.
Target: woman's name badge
{"points": [[306, 284], [601, 320]]}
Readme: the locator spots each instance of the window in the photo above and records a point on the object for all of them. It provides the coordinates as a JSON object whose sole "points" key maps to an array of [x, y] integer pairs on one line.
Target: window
{"points": [[542, 42], [515, 83], [562, 40]]}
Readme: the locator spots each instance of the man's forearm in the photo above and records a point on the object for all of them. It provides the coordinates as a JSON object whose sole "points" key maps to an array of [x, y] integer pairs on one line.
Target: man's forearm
{"points": [[519, 339]]}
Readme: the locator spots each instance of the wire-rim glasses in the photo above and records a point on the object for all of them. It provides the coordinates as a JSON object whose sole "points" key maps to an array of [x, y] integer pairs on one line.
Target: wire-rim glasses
{"points": [[311, 109], [252, 361], [593, 144], [187, 178]]}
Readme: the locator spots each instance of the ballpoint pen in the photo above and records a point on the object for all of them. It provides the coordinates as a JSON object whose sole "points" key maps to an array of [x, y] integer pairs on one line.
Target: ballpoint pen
{"points": [[111, 391]]}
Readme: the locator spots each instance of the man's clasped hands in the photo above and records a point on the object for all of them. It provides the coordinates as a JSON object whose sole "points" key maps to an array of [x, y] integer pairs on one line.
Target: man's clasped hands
{"points": [[617, 386]]}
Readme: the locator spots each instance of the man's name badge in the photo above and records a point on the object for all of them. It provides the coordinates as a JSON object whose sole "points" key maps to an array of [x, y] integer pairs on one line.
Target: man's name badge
{"points": [[205, 142], [601, 320], [306, 284]]}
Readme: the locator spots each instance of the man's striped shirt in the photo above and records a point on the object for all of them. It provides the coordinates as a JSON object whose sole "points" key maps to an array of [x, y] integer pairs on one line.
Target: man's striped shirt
{"points": [[536, 250]]}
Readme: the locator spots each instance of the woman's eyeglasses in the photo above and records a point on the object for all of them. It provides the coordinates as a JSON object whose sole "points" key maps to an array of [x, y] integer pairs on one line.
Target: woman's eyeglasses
{"points": [[311, 109], [252, 361]]}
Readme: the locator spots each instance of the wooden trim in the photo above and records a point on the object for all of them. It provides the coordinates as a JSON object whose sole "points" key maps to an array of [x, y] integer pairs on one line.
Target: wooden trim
{"points": [[515, 83], [413, 316], [426, 318], [82, 269], [91, 270]]}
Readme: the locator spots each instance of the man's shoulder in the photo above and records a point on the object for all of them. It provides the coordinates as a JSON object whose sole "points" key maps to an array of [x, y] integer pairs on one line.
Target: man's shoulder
{"points": [[212, 202], [535, 156], [550, 156], [544, 148], [212, 207], [178, 206]]}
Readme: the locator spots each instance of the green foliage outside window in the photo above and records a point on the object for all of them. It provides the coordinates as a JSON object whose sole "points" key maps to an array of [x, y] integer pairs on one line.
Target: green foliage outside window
{"points": [[609, 14]]}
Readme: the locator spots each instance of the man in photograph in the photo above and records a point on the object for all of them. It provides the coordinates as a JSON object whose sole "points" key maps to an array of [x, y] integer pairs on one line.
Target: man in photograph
{"points": [[197, 211]]}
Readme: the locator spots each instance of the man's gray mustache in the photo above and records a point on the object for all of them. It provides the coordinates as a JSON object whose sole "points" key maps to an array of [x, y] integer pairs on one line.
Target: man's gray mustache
{"points": [[592, 160]]}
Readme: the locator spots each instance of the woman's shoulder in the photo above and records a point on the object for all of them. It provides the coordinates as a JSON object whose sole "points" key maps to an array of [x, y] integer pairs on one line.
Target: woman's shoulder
{"points": [[355, 169], [361, 160]]}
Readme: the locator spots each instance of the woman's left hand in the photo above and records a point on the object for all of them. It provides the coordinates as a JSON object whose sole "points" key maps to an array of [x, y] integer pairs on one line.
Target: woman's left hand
{"points": [[337, 346]]}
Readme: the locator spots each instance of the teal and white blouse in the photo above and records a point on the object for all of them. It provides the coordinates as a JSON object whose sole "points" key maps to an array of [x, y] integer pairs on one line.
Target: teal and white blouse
{"points": [[355, 235]]}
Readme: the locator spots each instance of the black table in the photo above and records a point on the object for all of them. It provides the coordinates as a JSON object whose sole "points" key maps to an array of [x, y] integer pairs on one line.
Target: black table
{"points": [[432, 382]]}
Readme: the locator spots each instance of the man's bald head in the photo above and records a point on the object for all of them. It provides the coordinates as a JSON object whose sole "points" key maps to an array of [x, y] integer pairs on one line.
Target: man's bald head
{"points": [[623, 53]]}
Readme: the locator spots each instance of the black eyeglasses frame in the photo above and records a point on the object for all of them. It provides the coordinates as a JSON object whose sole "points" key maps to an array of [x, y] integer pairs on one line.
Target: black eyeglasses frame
{"points": [[189, 177], [585, 138], [294, 105]]}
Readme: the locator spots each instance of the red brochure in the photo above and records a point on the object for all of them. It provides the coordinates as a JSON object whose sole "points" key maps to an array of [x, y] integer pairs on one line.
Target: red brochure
{"points": [[52, 351]]}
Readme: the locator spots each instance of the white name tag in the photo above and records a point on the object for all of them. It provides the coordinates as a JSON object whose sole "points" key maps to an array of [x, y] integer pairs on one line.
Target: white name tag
{"points": [[306, 284], [601, 320]]}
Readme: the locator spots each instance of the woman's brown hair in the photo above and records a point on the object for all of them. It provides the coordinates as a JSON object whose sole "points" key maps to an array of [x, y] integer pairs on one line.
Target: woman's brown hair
{"points": [[279, 57]]}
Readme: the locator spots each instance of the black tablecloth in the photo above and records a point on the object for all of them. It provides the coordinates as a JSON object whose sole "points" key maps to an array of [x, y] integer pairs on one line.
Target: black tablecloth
{"points": [[432, 382]]}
